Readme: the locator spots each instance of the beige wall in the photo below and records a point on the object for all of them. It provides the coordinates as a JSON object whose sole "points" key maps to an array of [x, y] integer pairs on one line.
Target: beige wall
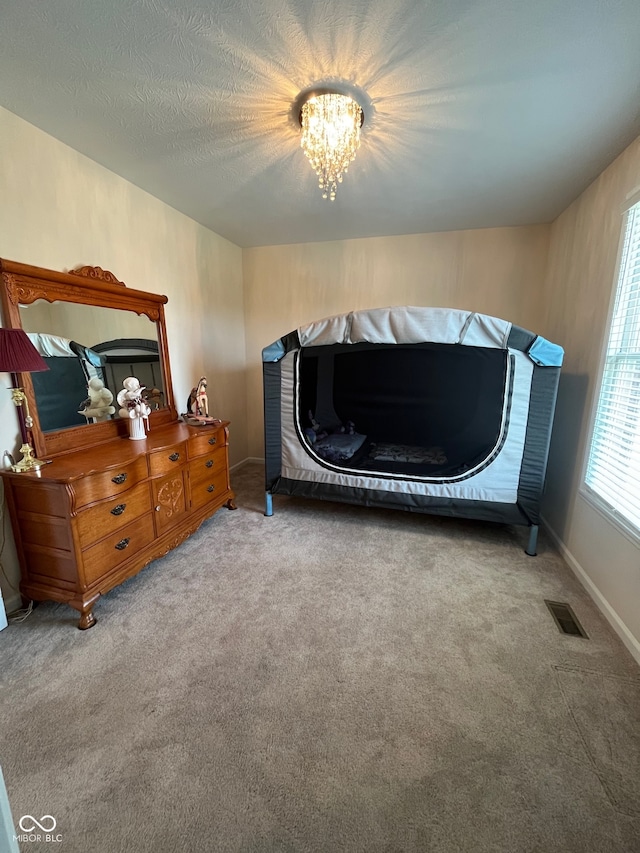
{"points": [[581, 272], [497, 271], [61, 210]]}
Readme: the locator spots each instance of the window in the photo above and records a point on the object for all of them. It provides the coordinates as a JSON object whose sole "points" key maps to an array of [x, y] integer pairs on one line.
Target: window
{"points": [[613, 467]]}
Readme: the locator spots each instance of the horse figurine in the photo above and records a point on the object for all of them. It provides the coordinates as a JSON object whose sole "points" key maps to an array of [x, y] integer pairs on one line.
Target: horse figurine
{"points": [[198, 405]]}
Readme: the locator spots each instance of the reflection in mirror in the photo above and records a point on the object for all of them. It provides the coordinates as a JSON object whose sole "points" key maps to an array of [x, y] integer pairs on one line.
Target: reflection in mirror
{"points": [[89, 351]]}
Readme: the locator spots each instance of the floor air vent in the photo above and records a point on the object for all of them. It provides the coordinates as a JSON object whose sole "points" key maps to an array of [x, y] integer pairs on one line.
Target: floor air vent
{"points": [[566, 619]]}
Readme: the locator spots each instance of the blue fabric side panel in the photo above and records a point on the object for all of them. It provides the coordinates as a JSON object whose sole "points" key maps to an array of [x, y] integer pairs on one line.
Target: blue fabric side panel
{"points": [[542, 403], [274, 352], [482, 510], [278, 349], [272, 422], [545, 354], [520, 339]]}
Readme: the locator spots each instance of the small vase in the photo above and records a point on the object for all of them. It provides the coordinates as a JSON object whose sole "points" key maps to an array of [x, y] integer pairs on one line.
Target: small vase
{"points": [[136, 429]]}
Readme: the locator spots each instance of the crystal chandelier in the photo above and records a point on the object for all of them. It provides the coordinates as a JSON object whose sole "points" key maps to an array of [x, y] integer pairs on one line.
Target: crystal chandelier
{"points": [[331, 125]]}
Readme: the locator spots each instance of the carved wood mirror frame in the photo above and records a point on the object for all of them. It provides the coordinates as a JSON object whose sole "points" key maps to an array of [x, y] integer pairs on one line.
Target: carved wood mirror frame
{"points": [[93, 286]]}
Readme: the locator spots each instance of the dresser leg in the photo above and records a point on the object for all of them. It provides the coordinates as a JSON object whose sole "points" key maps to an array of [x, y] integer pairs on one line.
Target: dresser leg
{"points": [[231, 504], [87, 619]]}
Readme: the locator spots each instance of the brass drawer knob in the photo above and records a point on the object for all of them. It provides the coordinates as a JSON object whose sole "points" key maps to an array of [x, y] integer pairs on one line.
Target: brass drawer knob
{"points": [[122, 544], [118, 479], [174, 457], [210, 488], [213, 440], [118, 510], [209, 463]]}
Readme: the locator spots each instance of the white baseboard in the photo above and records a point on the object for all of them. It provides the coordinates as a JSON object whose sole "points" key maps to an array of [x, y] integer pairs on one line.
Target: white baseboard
{"points": [[247, 461], [601, 602]]}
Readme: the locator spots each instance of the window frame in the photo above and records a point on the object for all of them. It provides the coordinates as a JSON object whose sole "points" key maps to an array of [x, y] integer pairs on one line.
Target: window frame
{"points": [[629, 530]]}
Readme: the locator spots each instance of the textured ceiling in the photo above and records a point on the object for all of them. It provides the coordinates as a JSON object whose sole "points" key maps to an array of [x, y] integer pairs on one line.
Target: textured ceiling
{"points": [[483, 112]]}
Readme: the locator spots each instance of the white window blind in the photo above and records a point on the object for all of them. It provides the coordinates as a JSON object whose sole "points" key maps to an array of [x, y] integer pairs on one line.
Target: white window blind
{"points": [[613, 467]]}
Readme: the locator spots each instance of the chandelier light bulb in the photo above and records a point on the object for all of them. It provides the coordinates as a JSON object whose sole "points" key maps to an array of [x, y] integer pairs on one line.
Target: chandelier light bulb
{"points": [[330, 137]]}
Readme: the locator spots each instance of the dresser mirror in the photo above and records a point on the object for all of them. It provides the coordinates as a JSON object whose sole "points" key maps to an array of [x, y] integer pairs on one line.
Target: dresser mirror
{"points": [[86, 324], [83, 342]]}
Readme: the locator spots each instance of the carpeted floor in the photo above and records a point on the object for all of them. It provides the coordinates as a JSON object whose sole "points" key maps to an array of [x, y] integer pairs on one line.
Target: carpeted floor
{"points": [[333, 678]]}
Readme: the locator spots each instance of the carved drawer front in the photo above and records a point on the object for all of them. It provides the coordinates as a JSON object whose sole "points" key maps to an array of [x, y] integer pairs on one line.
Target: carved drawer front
{"points": [[119, 546], [96, 487], [205, 443], [169, 500], [169, 459], [103, 518], [204, 491], [204, 467]]}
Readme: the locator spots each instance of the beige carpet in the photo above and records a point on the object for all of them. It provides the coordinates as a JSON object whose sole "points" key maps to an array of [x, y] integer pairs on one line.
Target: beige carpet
{"points": [[330, 679]]}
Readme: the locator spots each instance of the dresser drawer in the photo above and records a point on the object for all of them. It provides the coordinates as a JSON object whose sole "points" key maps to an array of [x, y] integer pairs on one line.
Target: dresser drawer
{"points": [[201, 444], [167, 460], [105, 555], [115, 481], [206, 466], [103, 518], [206, 490]]}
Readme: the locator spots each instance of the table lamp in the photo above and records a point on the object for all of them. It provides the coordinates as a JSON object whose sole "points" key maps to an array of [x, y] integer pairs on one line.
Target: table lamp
{"points": [[18, 355]]}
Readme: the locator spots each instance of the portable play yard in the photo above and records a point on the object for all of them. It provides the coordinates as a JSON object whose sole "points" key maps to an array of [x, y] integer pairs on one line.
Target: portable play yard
{"points": [[429, 410]]}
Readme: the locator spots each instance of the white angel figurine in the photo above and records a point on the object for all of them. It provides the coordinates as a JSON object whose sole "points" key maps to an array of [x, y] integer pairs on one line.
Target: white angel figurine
{"points": [[97, 406], [134, 407]]}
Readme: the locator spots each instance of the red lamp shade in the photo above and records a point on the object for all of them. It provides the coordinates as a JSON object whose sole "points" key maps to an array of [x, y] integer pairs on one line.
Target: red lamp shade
{"points": [[18, 354]]}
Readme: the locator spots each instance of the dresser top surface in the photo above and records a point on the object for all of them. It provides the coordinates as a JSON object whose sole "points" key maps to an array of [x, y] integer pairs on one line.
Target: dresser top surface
{"points": [[115, 453]]}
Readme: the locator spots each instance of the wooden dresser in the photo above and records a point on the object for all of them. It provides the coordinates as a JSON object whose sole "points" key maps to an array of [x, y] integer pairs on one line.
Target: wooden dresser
{"points": [[105, 505], [91, 519]]}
